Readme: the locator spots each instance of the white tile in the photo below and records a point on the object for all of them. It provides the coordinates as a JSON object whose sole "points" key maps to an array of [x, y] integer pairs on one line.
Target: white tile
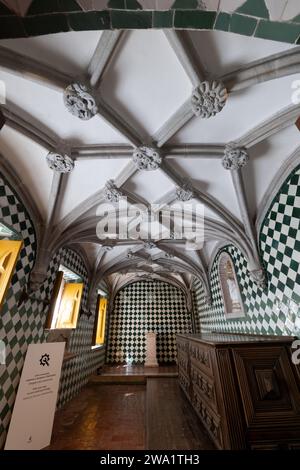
{"points": [[295, 222], [297, 201], [230, 5], [211, 5], [149, 4], [87, 5], [291, 10], [282, 200], [276, 8], [292, 274], [290, 243], [285, 229], [279, 217], [296, 256], [293, 189], [272, 224]]}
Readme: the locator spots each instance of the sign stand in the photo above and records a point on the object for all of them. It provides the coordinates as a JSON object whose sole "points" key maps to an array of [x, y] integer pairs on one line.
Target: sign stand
{"points": [[33, 414]]}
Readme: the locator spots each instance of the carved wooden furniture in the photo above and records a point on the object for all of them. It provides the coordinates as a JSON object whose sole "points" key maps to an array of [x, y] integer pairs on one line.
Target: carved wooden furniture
{"points": [[244, 388]]}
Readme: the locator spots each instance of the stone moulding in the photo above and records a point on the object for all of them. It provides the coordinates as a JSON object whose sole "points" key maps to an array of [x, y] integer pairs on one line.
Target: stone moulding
{"points": [[80, 102], [148, 245], [147, 158], [208, 99], [111, 192], [234, 157], [259, 277], [184, 192], [61, 163]]}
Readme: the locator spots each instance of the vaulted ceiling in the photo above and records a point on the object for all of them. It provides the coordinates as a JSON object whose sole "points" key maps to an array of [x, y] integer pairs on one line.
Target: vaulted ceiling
{"points": [[169, 115]]}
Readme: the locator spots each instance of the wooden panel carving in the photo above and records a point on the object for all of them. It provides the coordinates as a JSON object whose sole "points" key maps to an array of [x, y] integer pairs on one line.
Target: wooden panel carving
{"points": [[204, 385], [183, 361], [267, 385], [209, 418], [244, 389], [185, 383], [201, 355]]}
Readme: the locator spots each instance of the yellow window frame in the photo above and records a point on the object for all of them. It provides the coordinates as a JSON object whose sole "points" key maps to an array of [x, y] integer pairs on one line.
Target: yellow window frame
{"points": [[99, 334], [70, 305], [9, 253]]}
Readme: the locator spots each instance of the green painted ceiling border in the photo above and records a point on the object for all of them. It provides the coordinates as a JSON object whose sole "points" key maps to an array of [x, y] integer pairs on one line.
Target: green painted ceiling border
{"points": [[238, 22]]}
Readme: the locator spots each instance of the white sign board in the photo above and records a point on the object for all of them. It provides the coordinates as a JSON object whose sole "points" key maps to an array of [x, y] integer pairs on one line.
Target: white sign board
{"points": [[33, 414]]}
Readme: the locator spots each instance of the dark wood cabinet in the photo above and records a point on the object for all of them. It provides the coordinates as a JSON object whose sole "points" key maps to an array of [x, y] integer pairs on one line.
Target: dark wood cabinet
{"points": [[244, 388]]}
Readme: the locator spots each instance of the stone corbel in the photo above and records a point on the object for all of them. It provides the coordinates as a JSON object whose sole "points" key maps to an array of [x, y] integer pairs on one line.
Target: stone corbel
{"points": [[80, 101], [37, 278], [259, 277], [208, 299]]}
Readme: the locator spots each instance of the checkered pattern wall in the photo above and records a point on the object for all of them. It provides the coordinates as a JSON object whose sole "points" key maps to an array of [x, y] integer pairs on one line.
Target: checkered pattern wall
{"points": [[274, 310], [141, 307], [24, 324]]}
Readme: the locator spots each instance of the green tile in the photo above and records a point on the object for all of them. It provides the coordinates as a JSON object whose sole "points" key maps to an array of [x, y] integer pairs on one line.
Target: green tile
{"points": [[194, 19], [131, 20], [254, 8], [11, 27], [46, 6], [285, 32], [51, 6], [163, 19], [185, 4], [92, 20], [116, 4], [124, 4], [296, 19], [45, 24], [242, 24], [294, 265], [223, 21]]}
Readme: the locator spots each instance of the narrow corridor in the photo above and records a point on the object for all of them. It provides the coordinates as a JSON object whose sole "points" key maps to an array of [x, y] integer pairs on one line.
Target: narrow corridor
{"points": [[154, 415]]}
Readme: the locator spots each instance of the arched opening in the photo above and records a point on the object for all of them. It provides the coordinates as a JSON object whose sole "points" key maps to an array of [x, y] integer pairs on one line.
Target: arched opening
{"points": [[233, 304], [141, 307]]}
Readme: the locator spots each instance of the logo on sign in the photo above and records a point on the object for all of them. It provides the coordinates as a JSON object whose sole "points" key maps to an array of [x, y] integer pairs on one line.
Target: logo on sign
{"points": [[44, 361]]}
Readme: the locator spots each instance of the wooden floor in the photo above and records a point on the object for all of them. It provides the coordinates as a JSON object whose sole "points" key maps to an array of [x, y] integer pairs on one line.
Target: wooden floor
{"points": [[133, 374], [161, 371], [155, 415], [102, 417], [171, 423]]}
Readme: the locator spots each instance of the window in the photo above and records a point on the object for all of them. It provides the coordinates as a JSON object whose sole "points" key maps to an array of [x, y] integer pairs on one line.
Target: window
{"points": [[99, 329], [230, 289], [10, 249], [65, 305]]}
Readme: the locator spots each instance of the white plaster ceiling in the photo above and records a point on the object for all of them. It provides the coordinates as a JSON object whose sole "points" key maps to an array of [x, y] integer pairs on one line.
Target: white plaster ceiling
{"points": [[143, 72], [146, 184], [243, 111], [223, 52], [146, 84], [89, 178], [29, 162]]}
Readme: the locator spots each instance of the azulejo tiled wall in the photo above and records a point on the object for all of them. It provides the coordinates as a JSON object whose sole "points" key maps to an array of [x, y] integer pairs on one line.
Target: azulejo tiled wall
{"points": [[274, 310], [24, 324], [270, 19], [146, 306]]}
